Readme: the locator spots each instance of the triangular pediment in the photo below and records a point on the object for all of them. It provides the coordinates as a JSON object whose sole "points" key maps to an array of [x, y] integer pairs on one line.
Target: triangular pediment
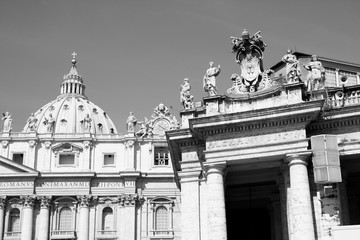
{"points": [[8, 166]]}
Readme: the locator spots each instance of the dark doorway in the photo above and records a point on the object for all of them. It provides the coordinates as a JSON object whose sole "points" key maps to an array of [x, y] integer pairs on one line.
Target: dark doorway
{"points": [[248, 224]]}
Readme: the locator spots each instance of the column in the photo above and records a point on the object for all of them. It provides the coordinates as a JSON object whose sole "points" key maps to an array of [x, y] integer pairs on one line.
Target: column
{"points": [[83, 227], [27, 218], [216, 202], [44, 218], [2, 215], [129, 202], [301, 217]]}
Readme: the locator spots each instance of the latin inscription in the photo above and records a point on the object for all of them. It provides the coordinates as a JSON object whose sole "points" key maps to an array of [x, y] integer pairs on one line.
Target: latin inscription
{"points": [[16, 184], [107, 184], [215, 143], [63, 184]]}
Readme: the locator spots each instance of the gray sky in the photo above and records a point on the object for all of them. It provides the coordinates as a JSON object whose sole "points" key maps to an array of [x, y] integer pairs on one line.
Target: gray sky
{"points": [[135, 54]]}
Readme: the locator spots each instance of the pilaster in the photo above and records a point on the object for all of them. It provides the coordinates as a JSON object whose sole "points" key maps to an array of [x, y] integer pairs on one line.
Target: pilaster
{"points": [[2, 215]]}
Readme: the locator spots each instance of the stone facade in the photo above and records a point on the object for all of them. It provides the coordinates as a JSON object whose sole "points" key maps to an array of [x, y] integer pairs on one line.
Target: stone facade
{"points": [[276, 158]]}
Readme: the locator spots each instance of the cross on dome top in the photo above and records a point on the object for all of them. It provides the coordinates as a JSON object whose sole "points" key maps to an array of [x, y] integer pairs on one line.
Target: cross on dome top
{"points": [[73, 60]]}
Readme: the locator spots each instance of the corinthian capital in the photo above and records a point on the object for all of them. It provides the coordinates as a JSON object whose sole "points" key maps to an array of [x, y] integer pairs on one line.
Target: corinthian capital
{"points": [[2, 202], [84, 201], [28, 201], [130, 200], [45, 201]]}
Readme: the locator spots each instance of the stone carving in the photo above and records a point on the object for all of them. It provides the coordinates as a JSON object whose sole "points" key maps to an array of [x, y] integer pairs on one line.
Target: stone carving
{"points": [[126, 200], [7, 122], [316, 75], [249, 53], [161, 111], [32, 122], [66, 148], [186, 99], [131, 123], [45, 201], [32, 143], [28, 201], [4, 143], [145, 129], [84, 201], [292, 67], [86, 123], [50, 123], [2, 202], [87, 144], [47, 144], [209, 81]]}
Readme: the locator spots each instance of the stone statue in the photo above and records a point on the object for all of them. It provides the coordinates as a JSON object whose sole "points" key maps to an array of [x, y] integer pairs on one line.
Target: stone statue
{"points": [[32, 122], [131, 123], [50, 123], [209, 83], [292, 67], [87, 123], [316, 75], [7, 122], [186, 99], [145, 129]]}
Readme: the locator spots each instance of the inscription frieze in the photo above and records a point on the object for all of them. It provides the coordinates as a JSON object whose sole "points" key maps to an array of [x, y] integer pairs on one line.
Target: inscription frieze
{"points": [[63, 184], [233, 141], [16, 184]]}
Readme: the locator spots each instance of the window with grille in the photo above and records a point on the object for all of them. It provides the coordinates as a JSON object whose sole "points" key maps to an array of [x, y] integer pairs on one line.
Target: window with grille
{"points": [[161, 157], [161, 219], [14, 220], [66, 219], [107, 219]]}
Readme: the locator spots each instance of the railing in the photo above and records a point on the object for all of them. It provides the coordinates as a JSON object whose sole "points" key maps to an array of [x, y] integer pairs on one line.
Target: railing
{"points": [[163, 233], [106, 234], [58, 234], [12, 235]]}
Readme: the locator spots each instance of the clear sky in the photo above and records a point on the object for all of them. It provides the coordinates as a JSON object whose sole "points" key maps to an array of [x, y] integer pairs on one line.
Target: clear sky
{"points": [[134, 54]]}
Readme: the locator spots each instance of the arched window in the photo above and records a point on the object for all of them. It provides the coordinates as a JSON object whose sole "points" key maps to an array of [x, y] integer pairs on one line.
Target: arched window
{"points": [[161, 219], [66, 219], [107, 219], [14, 223]]}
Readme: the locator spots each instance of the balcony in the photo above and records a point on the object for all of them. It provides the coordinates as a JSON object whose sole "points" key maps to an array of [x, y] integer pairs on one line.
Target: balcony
{"points": [[161, 234], [106, 234], [12, 235], [63, 234]]}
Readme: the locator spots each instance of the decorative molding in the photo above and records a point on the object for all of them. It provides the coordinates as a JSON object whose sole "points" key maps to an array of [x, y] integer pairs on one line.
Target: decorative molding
{"points": [[47, 144], [87, 144], [130, 200], [45, 201], [4, 143], [28, 201], [32, 143], [84, 201], [129, 143], [2, 202]]}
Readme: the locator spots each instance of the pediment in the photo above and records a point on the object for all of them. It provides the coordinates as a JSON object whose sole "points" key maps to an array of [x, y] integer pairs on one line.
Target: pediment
{"points": [[7, 166], [66, 147]]}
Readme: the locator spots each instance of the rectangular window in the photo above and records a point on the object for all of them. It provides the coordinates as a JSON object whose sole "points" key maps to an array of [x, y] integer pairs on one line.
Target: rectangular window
{"points": [[109, 159], [18, 158], [161, 157], [66, 159]]}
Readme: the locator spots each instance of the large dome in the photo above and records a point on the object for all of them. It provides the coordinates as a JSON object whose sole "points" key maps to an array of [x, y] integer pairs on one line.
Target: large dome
{"points": [[71, 112]]}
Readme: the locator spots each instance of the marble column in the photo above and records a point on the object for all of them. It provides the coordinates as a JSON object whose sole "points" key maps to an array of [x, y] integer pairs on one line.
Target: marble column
{"points": [[83, 228], [301, 217], [2, 215], [216, 202], [129, 202], [283, 184], [27, 218], [44, 218]]}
